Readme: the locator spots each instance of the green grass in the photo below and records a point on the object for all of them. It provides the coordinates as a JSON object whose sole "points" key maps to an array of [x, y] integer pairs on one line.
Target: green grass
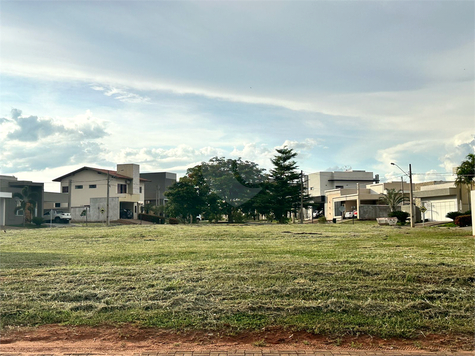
{"points": [[333, 279]]}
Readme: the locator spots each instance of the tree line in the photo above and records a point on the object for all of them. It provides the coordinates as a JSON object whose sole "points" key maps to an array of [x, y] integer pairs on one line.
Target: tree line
{"points": [[239, 190]]}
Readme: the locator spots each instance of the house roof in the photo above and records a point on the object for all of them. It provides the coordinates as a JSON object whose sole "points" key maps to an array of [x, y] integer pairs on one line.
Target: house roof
{"points": [[113, 174]]}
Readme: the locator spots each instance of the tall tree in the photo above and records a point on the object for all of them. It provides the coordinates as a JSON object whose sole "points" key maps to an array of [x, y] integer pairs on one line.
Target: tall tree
{"points": [[284, 187], [188, 197], [235, 182], [392, 198], [466, 173], [27, 199]]}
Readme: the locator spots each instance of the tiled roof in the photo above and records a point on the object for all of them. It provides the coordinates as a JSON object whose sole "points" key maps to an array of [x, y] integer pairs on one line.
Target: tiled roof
{"points": [[113, 174]]}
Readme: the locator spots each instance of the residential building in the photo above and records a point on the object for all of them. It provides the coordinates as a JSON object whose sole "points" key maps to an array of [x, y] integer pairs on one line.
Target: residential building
{"points": [[363, 199], [54, 200], [156, 186], [440, 198], [10, 185], [320, 182], [87, 190]]}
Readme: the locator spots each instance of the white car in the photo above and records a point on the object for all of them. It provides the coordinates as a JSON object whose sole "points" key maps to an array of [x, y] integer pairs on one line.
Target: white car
{"points": [[56, 216], [350, 214]]}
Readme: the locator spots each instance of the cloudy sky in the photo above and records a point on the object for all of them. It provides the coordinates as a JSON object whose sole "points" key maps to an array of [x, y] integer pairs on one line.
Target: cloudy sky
{"points": [[168, 84]]}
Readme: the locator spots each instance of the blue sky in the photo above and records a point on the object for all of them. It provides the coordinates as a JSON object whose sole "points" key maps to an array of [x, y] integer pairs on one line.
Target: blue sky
{"points": [[168, 84]]}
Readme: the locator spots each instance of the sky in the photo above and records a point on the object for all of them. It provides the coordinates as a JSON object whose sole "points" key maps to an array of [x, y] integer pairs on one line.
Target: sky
{"points": [[170, 84]]}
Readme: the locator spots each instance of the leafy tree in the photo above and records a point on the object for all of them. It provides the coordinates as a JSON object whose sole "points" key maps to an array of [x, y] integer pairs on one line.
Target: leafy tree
{"points": [[392, 198], [466, 173], [284, 185], [234, 183], [27, 199], [187, 197]]}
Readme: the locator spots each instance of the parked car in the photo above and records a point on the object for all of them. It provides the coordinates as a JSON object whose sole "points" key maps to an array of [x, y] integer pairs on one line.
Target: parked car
{"points": [[350, 214], [56, 216], [126, 214]]}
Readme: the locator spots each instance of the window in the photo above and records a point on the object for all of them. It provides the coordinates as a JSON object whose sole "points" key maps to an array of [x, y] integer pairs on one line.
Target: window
{"points": [[78, 187], [339, 187], [121, 188], [18, 212], [65, 189], [140, 190], [57, 205], [92, 186]]}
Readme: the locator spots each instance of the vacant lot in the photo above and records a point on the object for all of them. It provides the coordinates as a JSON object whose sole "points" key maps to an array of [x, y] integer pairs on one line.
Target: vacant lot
{"points": [[323, 279]]}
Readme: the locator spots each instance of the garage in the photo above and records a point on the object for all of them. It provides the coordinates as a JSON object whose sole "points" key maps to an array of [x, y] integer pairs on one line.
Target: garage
{"points": [[438, 208]]}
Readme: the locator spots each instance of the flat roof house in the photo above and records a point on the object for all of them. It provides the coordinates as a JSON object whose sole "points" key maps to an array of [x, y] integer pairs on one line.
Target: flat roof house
{"points": [[10, 185]]}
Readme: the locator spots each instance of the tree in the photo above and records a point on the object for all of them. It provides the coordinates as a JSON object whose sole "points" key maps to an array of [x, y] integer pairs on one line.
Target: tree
{"points": [[27, 202], [284, 185], [234, 183], [392, 198], [466, 173], [187, 197]]}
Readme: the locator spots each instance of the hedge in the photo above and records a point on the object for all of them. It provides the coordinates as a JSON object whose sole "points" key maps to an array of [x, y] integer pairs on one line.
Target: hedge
{"points": [[463, 220], [152, 218]]}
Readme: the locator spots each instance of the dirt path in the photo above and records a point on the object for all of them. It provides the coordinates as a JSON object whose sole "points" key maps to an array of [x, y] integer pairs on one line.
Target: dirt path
{"points": [[127, 340]]}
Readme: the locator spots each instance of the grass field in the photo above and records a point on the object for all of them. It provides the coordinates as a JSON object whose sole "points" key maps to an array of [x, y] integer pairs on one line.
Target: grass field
{"points": [[329, 279]]}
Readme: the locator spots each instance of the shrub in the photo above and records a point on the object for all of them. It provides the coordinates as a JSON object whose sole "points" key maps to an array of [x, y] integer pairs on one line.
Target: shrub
{"points": [[322, 220], [463, 220], [400, 215], [152, 218], [453, 214], [173, 221], [37, 220]]}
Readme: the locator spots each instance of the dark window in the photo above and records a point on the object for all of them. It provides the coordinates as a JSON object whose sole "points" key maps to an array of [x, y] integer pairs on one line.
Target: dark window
{"points": [[121, 188], [57, 205], [339, 187], [140, 190], [65, 190], [78, 187], [92, 186]]}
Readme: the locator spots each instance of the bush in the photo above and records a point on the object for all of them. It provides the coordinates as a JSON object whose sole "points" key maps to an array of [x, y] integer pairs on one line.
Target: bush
{"points": [[152, 218], [453, 214], [463, 220], [322, 220], [400, 215], [173, 221], [37, 220]]}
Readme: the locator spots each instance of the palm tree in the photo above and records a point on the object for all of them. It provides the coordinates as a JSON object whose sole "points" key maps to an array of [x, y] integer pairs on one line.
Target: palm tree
{"points": [[465, 174], [392, 198], [27, 199]]}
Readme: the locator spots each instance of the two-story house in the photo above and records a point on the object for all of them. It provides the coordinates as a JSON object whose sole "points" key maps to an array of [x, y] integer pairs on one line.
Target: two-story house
{"points": [[88, 188]]}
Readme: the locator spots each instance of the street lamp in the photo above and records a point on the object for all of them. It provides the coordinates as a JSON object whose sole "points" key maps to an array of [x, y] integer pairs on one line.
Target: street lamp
{"points": [[411, 210]]}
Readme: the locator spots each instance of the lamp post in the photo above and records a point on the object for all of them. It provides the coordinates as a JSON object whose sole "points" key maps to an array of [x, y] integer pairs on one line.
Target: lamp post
{"points": [[411, 210]]}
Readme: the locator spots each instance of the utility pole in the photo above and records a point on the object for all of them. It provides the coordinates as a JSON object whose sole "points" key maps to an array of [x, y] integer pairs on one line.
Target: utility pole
{"points": [[70, 191], [411, 196], [402, 189], [107, 209], [301, 197]]}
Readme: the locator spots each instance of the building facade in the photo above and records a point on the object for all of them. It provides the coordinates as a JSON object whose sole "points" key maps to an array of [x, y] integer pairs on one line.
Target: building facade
{"points": [[9, 185], [320, 182], [156, 185], [86, 184]]}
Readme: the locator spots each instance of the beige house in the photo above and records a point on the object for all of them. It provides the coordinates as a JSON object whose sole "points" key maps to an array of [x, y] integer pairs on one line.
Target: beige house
{"points": [[363, 199], [320, 182], [440, 198], [87, 187]]}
